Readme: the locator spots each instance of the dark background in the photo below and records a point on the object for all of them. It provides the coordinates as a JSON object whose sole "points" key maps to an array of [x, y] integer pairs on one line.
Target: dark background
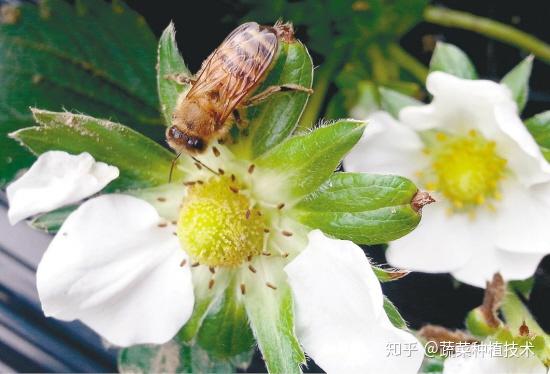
{"points": [[422, 298]]}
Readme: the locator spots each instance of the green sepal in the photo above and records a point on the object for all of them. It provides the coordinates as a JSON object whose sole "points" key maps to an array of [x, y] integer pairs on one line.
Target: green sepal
{"points": [[205, 298], [141, 162], [539, 127], [517, 80], [225, 332], [393, 101], [451, 59], [272, 121], [51, 222], [363, 208], [388, 275], [271, 316], [94, 57], [393, 314], [169, 64], [300, 164], [172, 357]]}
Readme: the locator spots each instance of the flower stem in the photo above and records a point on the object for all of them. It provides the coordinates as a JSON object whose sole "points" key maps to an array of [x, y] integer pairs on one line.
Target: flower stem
{"points": [[515, 313], [488, 27], [408, 62], [322, 78]]}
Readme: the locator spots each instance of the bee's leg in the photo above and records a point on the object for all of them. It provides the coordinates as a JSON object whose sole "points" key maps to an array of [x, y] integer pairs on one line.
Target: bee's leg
{"points": [[262, 96], [239, 120], [182, 79]]}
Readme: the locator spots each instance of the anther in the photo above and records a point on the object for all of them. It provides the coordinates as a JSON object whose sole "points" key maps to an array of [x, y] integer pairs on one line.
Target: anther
{"points": [[216, 151], [284, 254], [286, 233], [266, 253], [247, 215], [221, 171], [174, 233], [259, 213], [234, 189], [198, 166], [243, 288], [251, 268], [233, 178], [211, 284], [248, 258], [200, 182], [270, 285], [266, 230], [174, 222], [251, 168], [162, 224], [191, 183], [212, 270], [195, 264], [161, 199], [281, 206], [183, 262]]}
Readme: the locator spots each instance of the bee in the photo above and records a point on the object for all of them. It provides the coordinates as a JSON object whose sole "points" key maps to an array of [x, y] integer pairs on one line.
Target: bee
{"points": [[224, 84]]}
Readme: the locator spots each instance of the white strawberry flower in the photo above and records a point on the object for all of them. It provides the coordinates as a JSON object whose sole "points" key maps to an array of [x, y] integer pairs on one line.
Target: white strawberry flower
{"points": [[492, 183]]}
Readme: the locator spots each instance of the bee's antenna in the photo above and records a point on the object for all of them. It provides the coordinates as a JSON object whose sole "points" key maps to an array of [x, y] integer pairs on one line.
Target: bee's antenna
{"points": [[204, 165], [172, 167]]}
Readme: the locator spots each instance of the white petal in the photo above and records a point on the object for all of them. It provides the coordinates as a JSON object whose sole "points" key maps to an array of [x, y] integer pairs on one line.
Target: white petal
{"points": [[339, 316], [484, 264], [387, 147], [518, 147], [115, 269], [493, 365], [441, 243], [523, 218], [458, 105], [54, 180]]}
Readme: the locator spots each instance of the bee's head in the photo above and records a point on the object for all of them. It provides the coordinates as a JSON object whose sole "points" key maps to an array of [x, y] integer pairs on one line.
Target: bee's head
{"points": [[181, 141]]}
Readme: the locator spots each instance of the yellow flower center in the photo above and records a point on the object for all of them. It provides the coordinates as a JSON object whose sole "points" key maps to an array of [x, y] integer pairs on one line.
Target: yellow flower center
{"points": [[217, 225], [466, 170]]}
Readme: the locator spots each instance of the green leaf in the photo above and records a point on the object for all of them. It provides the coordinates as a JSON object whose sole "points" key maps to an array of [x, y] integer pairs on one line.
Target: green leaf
{"points": [[96, 57], [539, 127], [225, 332], [303, 162], [393, 314], [388, 275], [393, 101], [517, 80], [271, 317], [363, 208], [171, 357], [141, 161], [52, 221], [451, 59], [272, 121], [169, 65]]}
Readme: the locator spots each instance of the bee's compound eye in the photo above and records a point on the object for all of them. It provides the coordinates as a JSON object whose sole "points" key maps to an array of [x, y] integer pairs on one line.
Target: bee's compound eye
{"points": [[175, 133], [195, 143]]}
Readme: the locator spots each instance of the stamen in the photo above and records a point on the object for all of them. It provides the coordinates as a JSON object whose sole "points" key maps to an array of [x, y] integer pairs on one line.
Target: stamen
{"points": [[200, 182], [161, 199], [247, 215], [195, 264], [221, 171], [216, 151], [271, 285], [211, 284], [266, 230], [281, 206], [252, 268], [183, 262], [251, 168], [234, 189], [212, 270], [162, 224], [233, 178], [286, 233], [284, 254], [266, 253], [190, 183], [243, 288], [198, 166]]}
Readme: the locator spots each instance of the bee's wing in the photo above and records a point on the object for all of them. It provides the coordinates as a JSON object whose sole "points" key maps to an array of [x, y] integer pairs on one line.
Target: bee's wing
{"points": [[233, 69]]}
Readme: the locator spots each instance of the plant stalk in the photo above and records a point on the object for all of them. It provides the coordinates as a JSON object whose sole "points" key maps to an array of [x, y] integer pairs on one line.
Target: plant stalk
{"points": [[408, 62], [489, 28]]}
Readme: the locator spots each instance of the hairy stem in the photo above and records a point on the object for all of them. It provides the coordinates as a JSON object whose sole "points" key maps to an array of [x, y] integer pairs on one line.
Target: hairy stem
{"points": [[490, 28]]}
